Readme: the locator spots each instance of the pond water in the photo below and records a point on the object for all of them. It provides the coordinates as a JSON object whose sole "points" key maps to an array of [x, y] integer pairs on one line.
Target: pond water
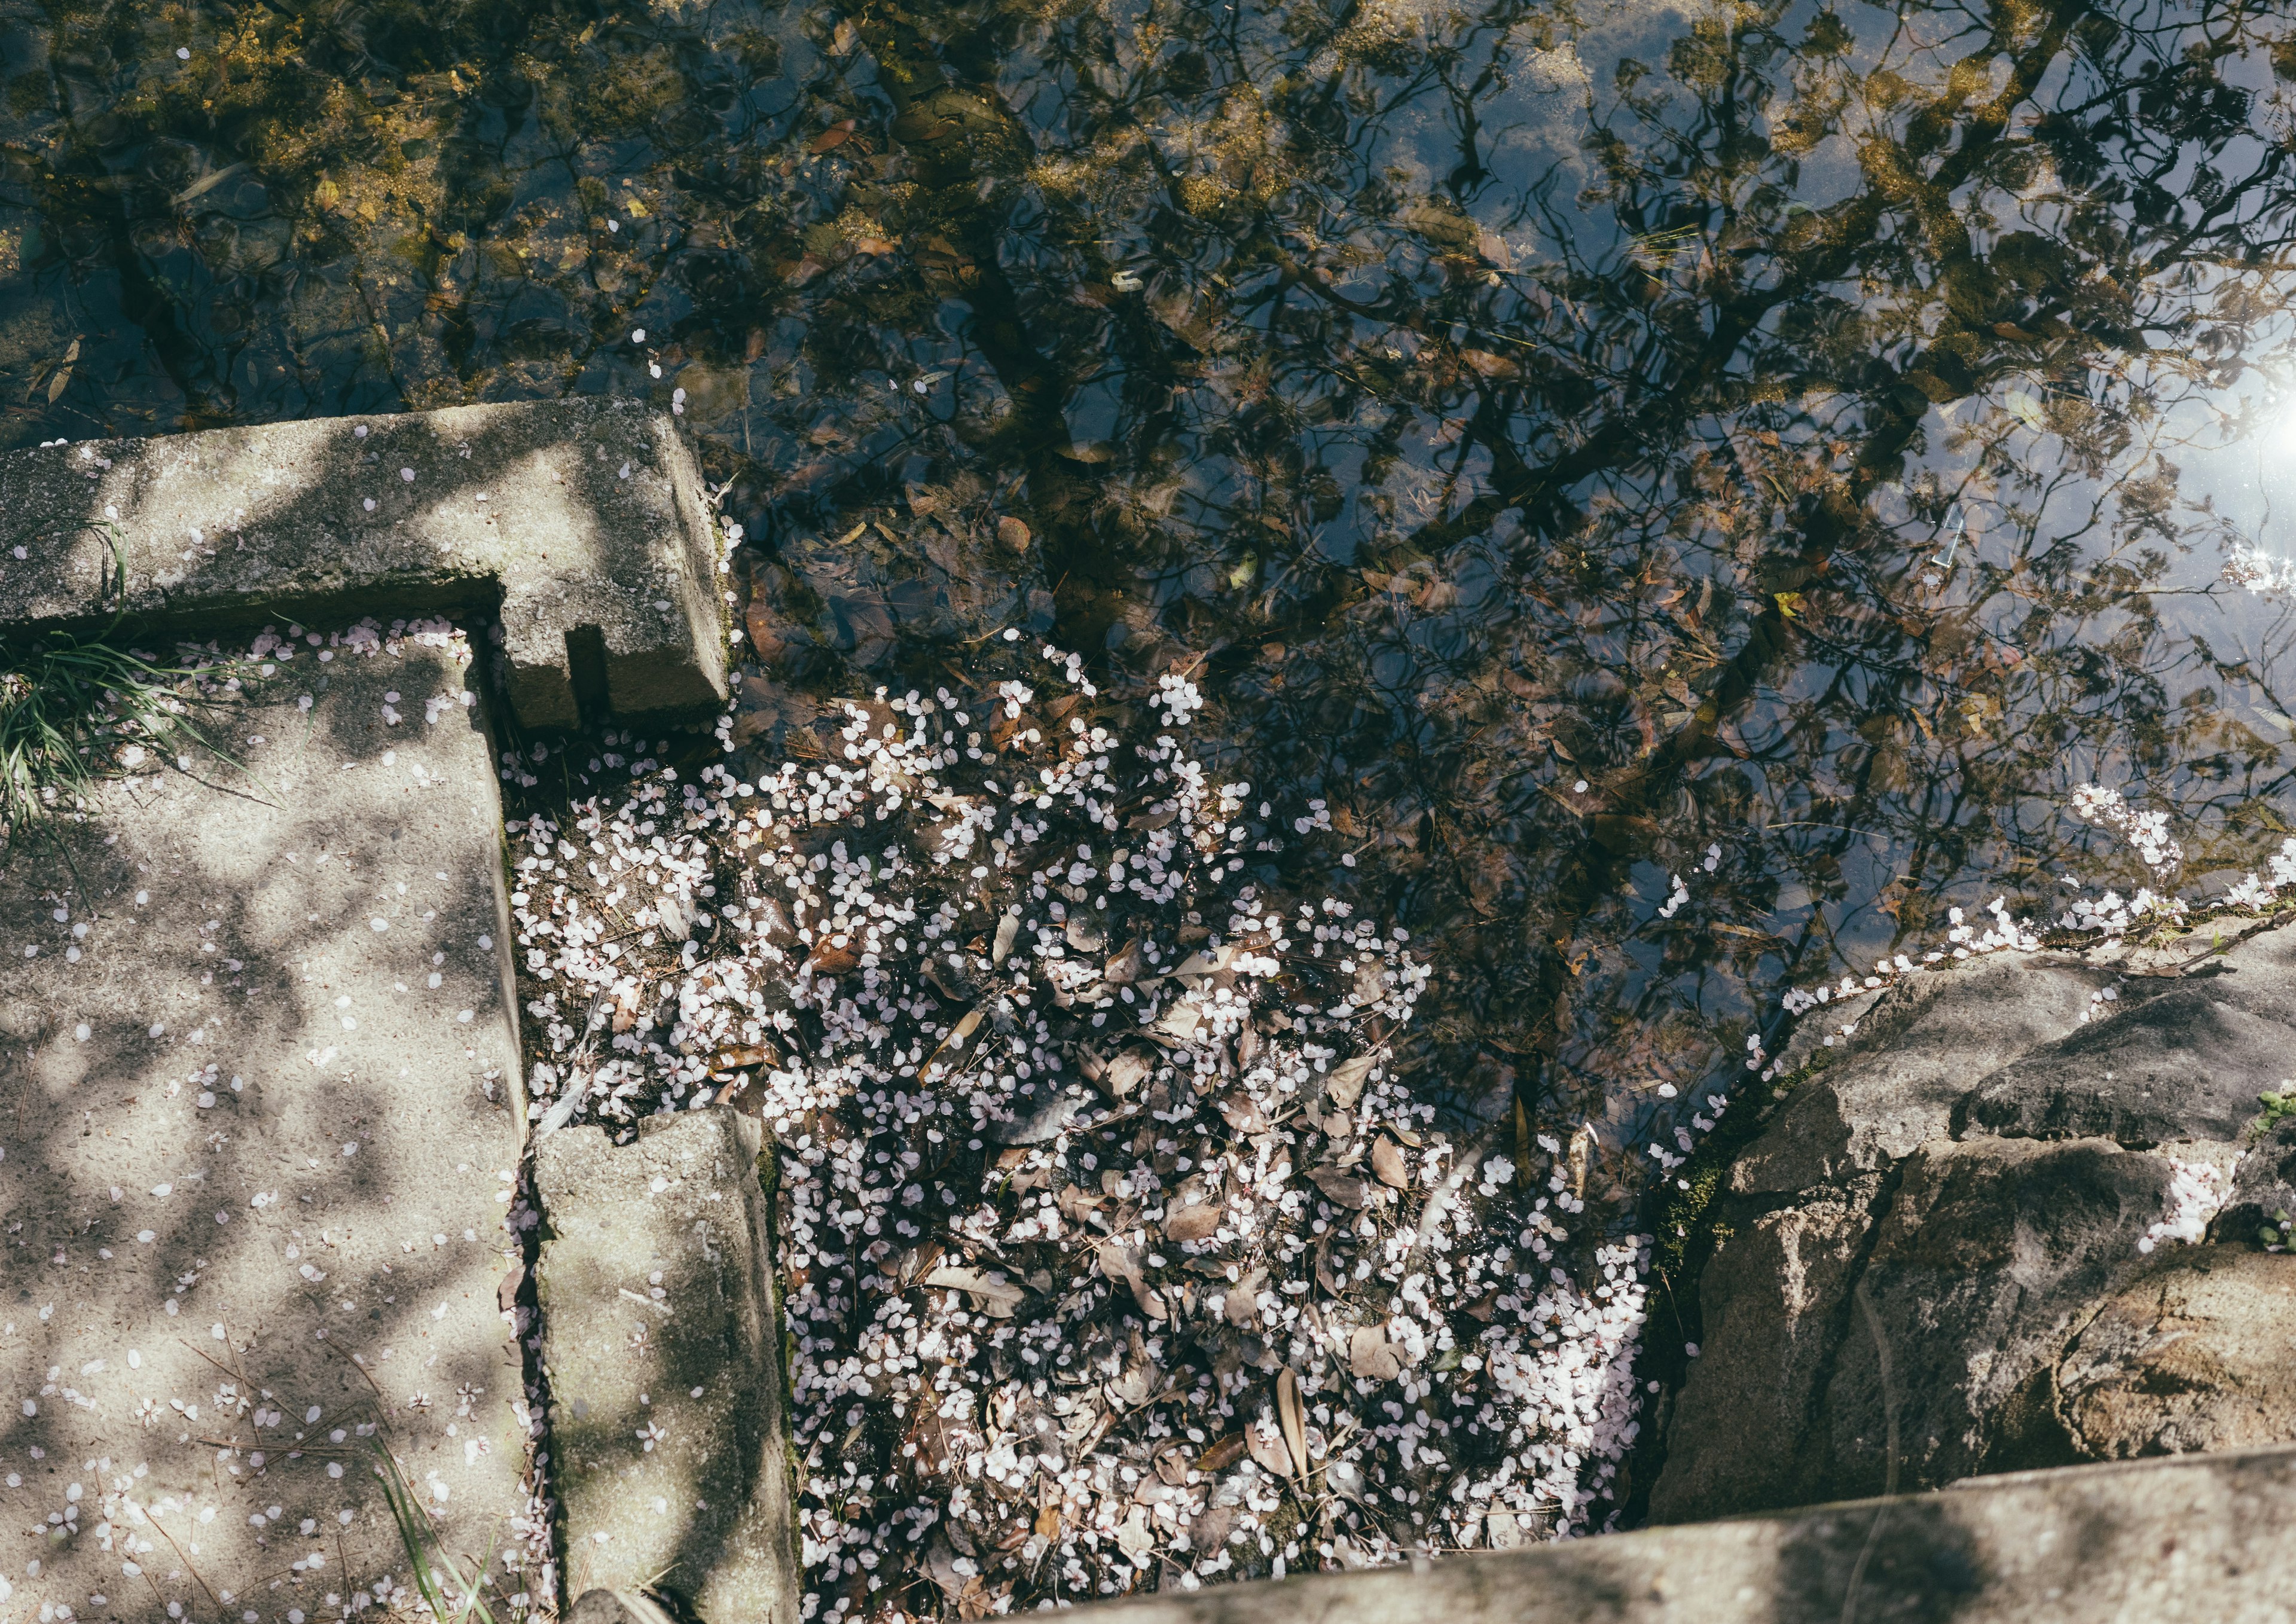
{"points": [[1782, 446]]}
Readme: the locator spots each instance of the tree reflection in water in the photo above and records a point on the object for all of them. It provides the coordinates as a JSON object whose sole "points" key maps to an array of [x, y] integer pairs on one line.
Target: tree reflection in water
{"points": [[1570, 438]]}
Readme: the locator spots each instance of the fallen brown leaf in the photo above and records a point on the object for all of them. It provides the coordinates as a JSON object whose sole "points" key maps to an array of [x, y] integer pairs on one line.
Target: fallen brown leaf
{"points": [[1371, 1357], [1194, 1223], [1221, 1454], [1265, 1438], [1208, 1532], [829, 959], [1241, 1112], [1125, 1073], [996, 1296], [1346, 1083], [1287, 1414]]}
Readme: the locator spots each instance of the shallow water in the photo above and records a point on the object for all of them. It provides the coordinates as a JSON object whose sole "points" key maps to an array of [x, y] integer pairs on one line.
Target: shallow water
{"points": [[1817, 433]]}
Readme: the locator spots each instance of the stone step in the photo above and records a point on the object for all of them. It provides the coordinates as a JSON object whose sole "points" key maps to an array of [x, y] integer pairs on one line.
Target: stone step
{"points": [[2198, 1538], [258, 1119], [261, 1098], [661, 1342], [584, 524]]}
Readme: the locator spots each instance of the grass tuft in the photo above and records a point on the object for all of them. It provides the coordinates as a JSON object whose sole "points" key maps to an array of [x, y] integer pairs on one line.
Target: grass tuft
{"points": [[439, 1580], [75, 710]]}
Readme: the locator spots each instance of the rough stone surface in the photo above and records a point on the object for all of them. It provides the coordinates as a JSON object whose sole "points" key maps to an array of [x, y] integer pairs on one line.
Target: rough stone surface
{"points": [[661, 1345], [2263, 1200], [1915, 1055], [618, 1607], [258, 1109], [1930, 1259], [2196, 1355], [584, 520], [2197, 1541], [2180, 1065], [1776, 1300]]}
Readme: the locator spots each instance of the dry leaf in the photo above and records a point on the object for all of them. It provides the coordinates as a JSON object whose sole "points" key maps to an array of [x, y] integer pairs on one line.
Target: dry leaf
{"points": [[1179, 1022], [1287, 1412], [1371, 1357], [996, 1296], [1124, 968], [1242, 1309], [1199, 963], [1346, 1085], [1013, 532], [1221, 1455], [63, 379], [730, 1060], [1048, 1522], [940, 1565], [1340, 1189], [1196, 1223], [1125, 1073], [1121, 1262], [1242, 1113], [1008, 928], [1386, 1161], [967, 1024], [1208, 1532], [1265, 1438]]}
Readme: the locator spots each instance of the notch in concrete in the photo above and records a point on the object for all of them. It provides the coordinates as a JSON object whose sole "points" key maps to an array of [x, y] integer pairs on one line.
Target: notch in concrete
{"points": [[586, 665], [567, 514]]}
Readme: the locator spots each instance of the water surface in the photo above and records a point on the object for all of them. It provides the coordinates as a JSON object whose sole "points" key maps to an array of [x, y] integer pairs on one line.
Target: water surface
{"points": [[1785, 447]]}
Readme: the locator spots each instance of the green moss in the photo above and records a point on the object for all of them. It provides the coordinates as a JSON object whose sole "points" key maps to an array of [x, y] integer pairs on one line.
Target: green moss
{"points": [[1685, 1226], [2278, 1108]]}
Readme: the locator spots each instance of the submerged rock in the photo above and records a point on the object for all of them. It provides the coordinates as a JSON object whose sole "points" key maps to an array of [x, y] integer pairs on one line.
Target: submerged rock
{"points": [[1959, 1244]]}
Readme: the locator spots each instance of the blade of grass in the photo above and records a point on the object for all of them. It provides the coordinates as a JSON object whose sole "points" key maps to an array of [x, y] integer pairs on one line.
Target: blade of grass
{"points": [[418, 1534]]}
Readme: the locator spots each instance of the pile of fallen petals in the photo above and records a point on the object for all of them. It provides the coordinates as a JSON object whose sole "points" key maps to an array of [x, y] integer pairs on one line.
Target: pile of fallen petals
{"points": [[1117, 1254]]}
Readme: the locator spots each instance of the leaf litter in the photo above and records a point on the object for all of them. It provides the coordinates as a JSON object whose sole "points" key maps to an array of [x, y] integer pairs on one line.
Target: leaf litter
{"points": [[1117, 1252]]}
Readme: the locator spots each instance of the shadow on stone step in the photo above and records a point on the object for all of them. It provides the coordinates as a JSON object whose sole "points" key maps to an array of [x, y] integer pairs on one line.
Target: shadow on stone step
{"points": [[661, 1344]]}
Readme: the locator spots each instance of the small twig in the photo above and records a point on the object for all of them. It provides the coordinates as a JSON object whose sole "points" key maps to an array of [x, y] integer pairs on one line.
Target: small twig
{"points": [[226, 1369], [186, 1560]]}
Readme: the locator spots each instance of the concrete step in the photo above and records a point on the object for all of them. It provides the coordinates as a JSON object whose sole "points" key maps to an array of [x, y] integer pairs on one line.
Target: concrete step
{"points": [[2206, 1538]]}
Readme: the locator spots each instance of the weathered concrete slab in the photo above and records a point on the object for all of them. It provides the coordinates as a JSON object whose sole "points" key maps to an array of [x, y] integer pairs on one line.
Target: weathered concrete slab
{"points": [[661, 1342], [257, 1068], [2203, 1538], [585, 520]]}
